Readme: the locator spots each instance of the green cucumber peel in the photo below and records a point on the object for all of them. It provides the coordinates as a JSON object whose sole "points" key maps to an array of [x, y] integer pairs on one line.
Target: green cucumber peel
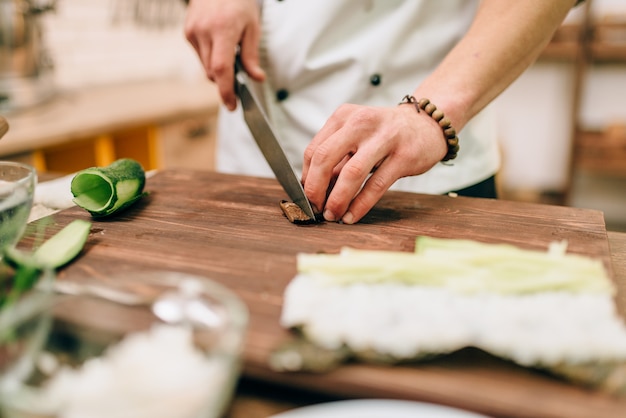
{"points": [[104, 191], [57, 251]]}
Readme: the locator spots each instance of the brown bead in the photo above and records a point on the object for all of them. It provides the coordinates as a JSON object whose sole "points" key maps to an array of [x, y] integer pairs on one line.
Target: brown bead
{"points": [[453, 149], [449, 157], [452, 141], [437, 115], [449, 132]]}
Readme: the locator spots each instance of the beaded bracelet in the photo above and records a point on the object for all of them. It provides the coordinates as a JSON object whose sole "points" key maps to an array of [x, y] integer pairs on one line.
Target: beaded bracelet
{"points": [[448, 131]]}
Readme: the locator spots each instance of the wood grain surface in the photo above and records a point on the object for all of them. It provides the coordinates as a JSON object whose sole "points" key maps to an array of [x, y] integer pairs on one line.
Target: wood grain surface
{"points": [[4, 126], [232, 230]]}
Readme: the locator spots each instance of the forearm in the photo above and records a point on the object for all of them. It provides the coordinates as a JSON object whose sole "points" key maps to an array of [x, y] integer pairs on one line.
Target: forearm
{"points": [[503, 41]]}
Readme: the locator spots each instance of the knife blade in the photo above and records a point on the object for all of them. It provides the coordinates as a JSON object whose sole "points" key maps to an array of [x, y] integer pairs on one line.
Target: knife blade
{"points": [[267, 141]]}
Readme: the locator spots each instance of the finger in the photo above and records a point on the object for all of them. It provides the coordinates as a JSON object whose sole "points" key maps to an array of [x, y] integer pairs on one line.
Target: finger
{"points": [[223, 70], [204, 52], [334, 177], [351, 179], [199, 37], [327, 156], [340, 166], [332, 125], [249, 53], [193, 41], [375, 187]]}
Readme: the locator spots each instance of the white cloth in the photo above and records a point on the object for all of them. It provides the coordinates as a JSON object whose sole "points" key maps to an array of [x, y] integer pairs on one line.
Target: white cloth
{"points": [[55, 194], [324, 52]]}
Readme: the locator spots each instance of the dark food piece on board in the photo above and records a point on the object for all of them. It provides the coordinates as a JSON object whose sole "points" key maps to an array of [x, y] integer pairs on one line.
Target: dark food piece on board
{"points": [[294, 213]]}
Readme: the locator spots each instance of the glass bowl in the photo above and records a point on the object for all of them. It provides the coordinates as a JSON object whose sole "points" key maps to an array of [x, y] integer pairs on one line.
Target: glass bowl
{"points": [[177, 354], [25, 323], [17, 189]]}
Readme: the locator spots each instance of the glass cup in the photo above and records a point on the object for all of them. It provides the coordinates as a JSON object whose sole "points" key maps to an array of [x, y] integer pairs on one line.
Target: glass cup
{"points": [[17, 189], [173, 353], [24, 324]]}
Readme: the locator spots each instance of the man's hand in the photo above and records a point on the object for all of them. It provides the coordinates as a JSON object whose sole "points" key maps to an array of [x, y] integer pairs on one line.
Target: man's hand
{"points": [[215, 28], [361, 151]]}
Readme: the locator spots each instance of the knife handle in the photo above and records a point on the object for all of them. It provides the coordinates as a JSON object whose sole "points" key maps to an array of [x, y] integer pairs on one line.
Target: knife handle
{"points": [[239, 64], [240, 75]]}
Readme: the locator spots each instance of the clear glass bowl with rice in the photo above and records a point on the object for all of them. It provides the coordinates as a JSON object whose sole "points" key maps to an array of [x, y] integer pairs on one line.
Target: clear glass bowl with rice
{"points": [[167, 346]]}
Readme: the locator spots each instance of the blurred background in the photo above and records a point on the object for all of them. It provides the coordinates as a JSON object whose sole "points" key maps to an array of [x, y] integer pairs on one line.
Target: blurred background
{"points": [[83, 82]]}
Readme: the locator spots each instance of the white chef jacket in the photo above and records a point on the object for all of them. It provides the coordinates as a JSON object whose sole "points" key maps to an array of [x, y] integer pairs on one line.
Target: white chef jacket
{"points": [[323, 53]]}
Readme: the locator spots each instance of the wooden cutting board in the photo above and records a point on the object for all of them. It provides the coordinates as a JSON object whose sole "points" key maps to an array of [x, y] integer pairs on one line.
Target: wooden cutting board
{"points": [[231, 229]]}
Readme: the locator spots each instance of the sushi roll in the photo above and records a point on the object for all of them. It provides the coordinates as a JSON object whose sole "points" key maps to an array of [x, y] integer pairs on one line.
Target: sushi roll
{"points": [[541, 309]]}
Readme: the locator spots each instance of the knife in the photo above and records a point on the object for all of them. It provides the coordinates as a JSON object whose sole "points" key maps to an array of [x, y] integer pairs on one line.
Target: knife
{"points": [[266, 139]]}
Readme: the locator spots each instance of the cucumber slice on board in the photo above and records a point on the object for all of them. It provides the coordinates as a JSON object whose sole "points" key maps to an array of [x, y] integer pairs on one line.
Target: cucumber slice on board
{"points": [[57, 251], [104, 191]]}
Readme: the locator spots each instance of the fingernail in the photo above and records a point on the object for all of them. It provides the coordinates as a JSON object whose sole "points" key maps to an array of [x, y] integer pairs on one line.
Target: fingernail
{"points": [[348, 218], [329, 216]]}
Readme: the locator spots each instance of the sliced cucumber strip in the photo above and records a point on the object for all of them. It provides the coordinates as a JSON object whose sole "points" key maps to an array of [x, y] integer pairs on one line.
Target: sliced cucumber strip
{"points": [[463, 266], [103, 191], [62, 248], [57, 251]]}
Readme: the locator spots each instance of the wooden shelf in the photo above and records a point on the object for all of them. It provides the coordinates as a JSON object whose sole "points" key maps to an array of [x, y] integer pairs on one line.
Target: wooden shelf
{"points": [[605, 41], [161, 124], [188, 142], [587, 44], [602, 152], [136, 143]]}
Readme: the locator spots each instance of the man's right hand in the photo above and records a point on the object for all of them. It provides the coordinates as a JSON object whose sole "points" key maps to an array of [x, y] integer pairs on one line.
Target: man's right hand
{"points": [[215, 28]]}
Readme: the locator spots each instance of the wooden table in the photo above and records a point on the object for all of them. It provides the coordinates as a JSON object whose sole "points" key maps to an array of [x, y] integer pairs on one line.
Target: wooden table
{"points": [[230, 228]]}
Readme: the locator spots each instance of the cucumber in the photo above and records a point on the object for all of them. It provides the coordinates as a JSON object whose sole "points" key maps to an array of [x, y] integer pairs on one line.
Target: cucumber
{"points": [[463, 266], [57, 251], [104, 191], [64, 246]]}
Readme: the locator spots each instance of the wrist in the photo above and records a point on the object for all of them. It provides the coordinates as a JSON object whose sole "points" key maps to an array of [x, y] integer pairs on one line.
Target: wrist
{"points": [[425, 106], [454, 106]]}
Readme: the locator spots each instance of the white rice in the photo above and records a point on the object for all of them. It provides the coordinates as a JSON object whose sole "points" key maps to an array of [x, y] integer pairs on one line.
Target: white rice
{"points": [[153, 374], [540, 329]]}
